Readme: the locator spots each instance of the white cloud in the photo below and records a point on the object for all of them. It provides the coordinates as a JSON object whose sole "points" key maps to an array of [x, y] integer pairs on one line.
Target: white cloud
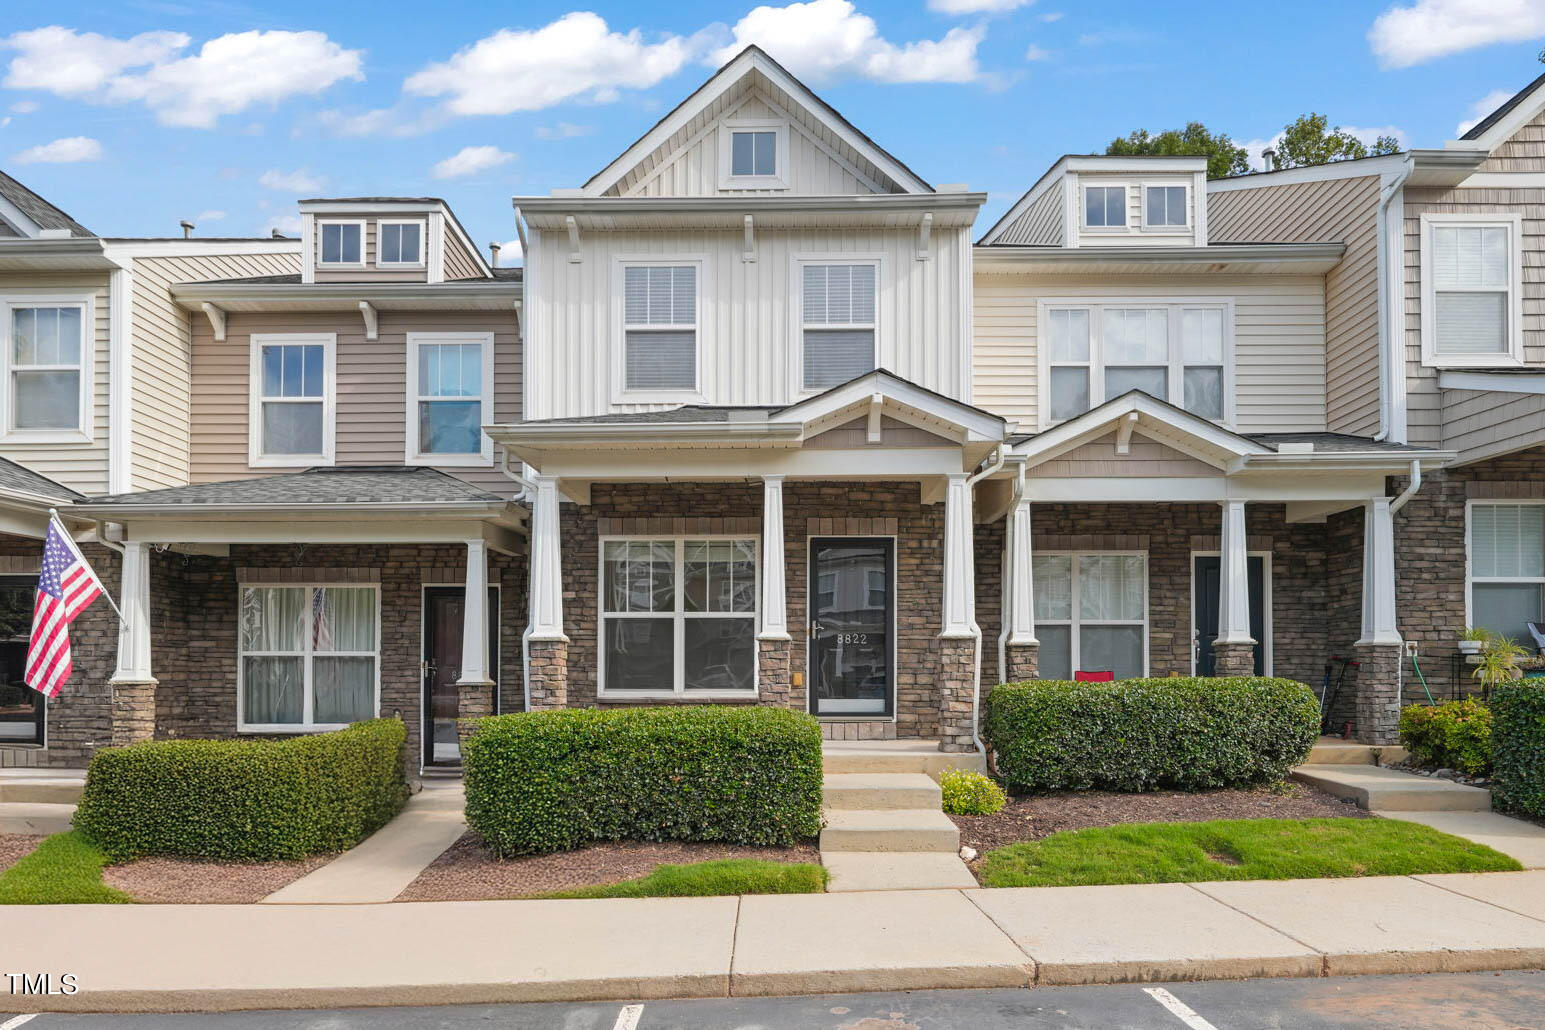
{"points": [[470, 161], [1051, 16], [1403, 36], [1481, 108], [1036, 53], [576, 57], [383, 121], [24, 107], [209, 216], [827, 39], [510, 253], [62, 151], [228, 74], [1370, 135], [1255, 147], [563, 130], [976, 6], [298, 181]]}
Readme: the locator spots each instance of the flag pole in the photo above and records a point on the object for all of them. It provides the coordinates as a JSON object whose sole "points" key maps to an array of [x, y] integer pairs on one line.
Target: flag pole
{"points": [[53, 517]]}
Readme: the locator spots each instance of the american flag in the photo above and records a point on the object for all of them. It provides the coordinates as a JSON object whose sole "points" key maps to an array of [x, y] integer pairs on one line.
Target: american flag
{"points": [[65, 587]]}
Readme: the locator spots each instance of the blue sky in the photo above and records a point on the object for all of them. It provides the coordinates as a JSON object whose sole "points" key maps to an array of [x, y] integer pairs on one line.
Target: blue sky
{"points": [[137, 113]]}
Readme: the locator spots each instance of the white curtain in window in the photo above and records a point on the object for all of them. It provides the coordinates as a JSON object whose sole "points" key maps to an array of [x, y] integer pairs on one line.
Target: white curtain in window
{"points": [[273, 691], [273, 619], [1110, 587], [1053, 577], [345, 619], [344, 689], [1136, 336]]}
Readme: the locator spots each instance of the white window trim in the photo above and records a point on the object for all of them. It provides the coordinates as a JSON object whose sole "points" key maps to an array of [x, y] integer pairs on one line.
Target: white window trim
{"points": [[1266, 627], [621, 394], [1096, 364], [1073, 622], [363, 255], [1470, 577], [678, 615], [255, 456], [777, 181], [308, 691], [82, 433], [1514, 357], [1166, 230], [423, 243], [1084, 185], [882, 299], [412, 455]]}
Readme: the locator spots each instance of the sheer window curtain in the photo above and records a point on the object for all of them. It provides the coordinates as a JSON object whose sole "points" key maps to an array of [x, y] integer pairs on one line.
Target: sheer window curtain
{"points": [[273, 619]]}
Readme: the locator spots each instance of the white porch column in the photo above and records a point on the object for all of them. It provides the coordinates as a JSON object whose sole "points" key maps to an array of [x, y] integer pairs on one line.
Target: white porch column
{"points": [[546, 591], [1021, 585], [474, 625], [775, 612], [959, 577], [1234, 578], [134, 629], [1378, 574]]}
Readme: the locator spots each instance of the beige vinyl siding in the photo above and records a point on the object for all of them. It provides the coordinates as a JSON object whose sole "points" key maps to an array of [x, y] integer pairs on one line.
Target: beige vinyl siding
{"points": [[163, 357], [1147, 459], [370, 273], [749, 333], [1041, 224], [1524, 151], [1424, 404], [82, 466], [1333, 211], [371, 383], [458, 263], [893, 433], [1482, 424], [1279, 341]]}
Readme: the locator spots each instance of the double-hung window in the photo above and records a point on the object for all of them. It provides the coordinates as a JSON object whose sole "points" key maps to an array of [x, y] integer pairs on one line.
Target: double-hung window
{"points": [[1105, 207], [292, 399], [1175, 352], [837, 323], [1471, 295], [399, 244], [1507, 568], [310, 656], [47, 364], [1091, 613], [1164, 207], [659, 328], [341, 244], [450, 398], [678, 616]]}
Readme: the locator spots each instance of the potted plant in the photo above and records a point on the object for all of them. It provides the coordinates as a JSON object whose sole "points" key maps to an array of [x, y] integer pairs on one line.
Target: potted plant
{"points": [[1499, 662], [1472, 640]]}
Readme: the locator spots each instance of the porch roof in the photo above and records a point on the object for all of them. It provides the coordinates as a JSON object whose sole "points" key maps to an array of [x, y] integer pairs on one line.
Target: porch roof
{"points": [[17, 479]]}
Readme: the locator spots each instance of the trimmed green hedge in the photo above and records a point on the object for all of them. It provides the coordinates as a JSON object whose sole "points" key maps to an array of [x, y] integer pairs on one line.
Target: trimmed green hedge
{"points": [[1518, 747], [1189, 733], [1453, 735], [253, 800], [550, 781]]}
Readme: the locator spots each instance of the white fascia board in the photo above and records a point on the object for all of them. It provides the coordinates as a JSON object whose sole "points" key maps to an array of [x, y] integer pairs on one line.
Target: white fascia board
{"points": [[1495, 382], [342, 511], [1390, 462], [1293, 258], [587, 434], [1124, 165], [594, 464], [1354, 169], [1521, 114], [128, 250], [234, 531], [18, 218], [976, 423], [1204, 489], [1103, 419], [348, 295]]}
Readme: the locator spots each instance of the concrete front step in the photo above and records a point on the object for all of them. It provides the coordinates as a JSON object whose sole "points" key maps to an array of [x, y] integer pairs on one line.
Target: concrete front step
{"points": [[1335, 751], [1386, 790], [854, 791], [894, 756], [48, 790], [895, 871], [35, 817], [895, 829]]}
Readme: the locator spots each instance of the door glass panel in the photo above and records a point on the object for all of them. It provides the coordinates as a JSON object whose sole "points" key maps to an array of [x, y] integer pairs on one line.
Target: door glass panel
{"points": [[21, 707], [850, 643]]}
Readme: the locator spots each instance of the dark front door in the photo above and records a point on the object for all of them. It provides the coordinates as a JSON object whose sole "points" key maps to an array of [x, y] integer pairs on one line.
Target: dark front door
{"points": [[1207, 575], [443, 614], [852, 613], [21, 707]]}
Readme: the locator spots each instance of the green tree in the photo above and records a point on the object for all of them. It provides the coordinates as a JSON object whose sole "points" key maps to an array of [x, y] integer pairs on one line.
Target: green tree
{"points": [[1224, 156], [1308, 141]]}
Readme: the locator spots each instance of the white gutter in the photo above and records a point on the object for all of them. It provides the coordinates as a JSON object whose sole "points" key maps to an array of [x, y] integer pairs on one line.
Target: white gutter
{"points": [[1389, 221], [997, 460], [527, 489], [1410, 491]]}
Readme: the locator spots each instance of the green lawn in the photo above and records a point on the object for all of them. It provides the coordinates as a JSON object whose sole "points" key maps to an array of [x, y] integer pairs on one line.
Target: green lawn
{"points": [[1236, 849], [65, 869], [704, 879]]}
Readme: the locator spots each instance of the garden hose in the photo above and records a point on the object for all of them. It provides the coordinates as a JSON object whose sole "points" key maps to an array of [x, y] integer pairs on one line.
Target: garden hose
{"points": [[1430, 699]]}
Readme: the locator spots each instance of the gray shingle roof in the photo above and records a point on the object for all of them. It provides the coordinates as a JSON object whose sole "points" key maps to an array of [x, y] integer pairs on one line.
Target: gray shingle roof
{"points": [[1331, 442], [19, 477], [46, 215], [345, 484]]}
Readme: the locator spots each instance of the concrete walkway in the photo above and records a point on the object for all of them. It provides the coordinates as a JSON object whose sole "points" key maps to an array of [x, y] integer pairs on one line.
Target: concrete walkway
{"points": [[221, 957], [39, 800], [391, 858], [1513, 837]]}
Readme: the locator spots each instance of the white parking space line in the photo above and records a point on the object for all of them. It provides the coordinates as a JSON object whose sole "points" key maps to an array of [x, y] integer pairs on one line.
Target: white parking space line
{"points": [[12, 1024], [627, 1019], [1179, 1009]]}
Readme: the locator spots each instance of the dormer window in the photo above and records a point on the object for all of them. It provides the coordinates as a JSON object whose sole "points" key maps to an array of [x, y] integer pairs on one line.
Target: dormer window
{"points": [[340, 244], [399, 244], [1105, 207], [754, 155], [1164, 207]]}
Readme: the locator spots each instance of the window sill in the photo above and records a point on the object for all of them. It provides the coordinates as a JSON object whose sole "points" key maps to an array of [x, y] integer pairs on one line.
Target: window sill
{"points": [[459, 461], [1469, 362], [291, 730], [653, 697], [753, 182], [46, 436], [290, 461], [396, 266]]}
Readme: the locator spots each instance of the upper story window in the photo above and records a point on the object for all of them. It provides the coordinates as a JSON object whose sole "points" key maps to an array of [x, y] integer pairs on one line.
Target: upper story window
{"points": [[450, 398], [47, 358], [1105, 206], [292, 400], [1471, 290], [837, 324], [399, 244], [341, 243], [754, 155], [1092, 353], [659, 328], [1164, 207]]}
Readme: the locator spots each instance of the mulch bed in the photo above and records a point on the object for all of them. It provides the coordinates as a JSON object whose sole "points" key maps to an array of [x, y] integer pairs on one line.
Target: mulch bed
{"points": [[1031, 818], [467, 871], [16, 846], [181, 881]]}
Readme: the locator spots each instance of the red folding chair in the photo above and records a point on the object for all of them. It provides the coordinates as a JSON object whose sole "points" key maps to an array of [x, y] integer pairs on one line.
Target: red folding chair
{"points": [[1093, 677]]}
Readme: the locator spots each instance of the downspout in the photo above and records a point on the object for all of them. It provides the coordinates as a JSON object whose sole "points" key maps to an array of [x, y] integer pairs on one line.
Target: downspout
{"points": [[526, 490], [1005, 607], [996, 463], [1410, 491], [1390, 301]]}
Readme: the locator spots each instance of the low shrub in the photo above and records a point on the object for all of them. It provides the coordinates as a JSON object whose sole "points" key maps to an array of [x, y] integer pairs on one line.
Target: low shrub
{"points": [[1453, 735], [970, 793], [1189, 733], [550, 781], [252, 800], [1518, 747]]}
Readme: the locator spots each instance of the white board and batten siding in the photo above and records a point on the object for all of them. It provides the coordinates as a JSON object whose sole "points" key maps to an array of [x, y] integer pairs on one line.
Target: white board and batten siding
{"points": [[1279, 340]]}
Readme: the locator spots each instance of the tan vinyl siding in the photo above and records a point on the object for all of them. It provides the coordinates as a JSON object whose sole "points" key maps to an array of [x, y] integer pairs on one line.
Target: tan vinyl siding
{"points": [[1337, 211], [82, 466], [1482, 424], [1524, 151], [1147, 459], [371, 383], [893, 433], [163, 357], [1279, 341], [459, 264], [1041, 224]]}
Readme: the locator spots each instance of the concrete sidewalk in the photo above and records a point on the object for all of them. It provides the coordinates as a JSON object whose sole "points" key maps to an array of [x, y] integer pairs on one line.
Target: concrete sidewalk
{"points": [[222, 957]]}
